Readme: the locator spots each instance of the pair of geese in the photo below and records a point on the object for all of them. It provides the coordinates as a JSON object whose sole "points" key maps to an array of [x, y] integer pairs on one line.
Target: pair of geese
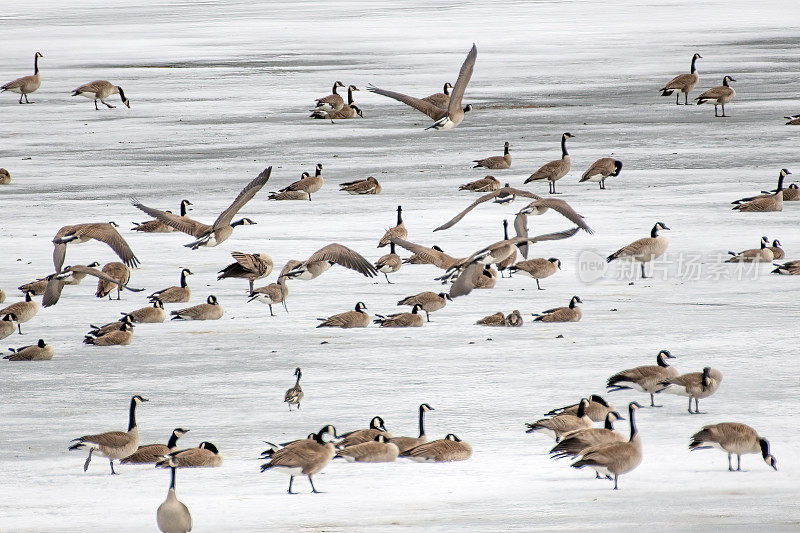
{"points": [[684, 83], [769, 201], [333, 106]]}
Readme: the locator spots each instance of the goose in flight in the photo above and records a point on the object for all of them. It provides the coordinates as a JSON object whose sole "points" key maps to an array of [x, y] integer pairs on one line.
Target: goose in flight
{"points": [[56, 282], [455, 114], [100, 231], [332, 254], [434, 106]]}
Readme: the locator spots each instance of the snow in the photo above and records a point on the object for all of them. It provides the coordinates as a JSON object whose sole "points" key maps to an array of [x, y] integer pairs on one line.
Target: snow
{"points": [[220, 90]]}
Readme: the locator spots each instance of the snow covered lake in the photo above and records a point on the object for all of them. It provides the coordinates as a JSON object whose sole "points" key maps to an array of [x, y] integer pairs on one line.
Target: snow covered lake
{"points": [[221, 90]]}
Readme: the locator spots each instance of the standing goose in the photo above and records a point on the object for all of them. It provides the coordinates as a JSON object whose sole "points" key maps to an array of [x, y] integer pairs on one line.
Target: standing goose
{"points": [[172, 515], [537, 269], [121, 337], [272, 448], [275, 293], [389, 263], [40, 351], [695, 385], [402, 320], [367, 186], [152, 453], [307, 183], [5, 176], [39, 286], [156, 226], [349, 319], [455, 114], [496, 162], [332, 102], [327, 256], [152, 314], [559, 425], [496, 320], [766, 203], [211, 310], [26, 84], [376, 427], [209, 236], [248, 266], [596, 409], [174, 294], [8, 325], [434, 106], [733, 438], [100, 231], [644, 250], [397, 232], [450, 448], [306, 457], [379, 450], [406, 443], [487, 184], [23, 311], [777, 251], [644, 378], [294, 394], [573, 444], [602, 169], [554, 170], [719, 95], [572, 313], [119, 273], [790, 268], [113, 276], [682, 83], [615, 458], [112, 444], [429, 301], [206, 455], [753, 255], [100, 90]]}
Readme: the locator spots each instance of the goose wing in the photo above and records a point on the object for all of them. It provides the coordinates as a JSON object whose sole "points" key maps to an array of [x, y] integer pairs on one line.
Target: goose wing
{"points": [[245, 196], [485, 198], [563, 208], [521, 228], [344, 256], [180, 223], [420, 105], [464, 76]]}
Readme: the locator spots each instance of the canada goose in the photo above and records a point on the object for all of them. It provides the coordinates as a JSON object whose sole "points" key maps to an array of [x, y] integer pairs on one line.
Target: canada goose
{"points": [[100, 90], [156, 226], [40, 285], [152, 453], [348, 111], [121, 337], [401, 320], [8, 325], [496, 162], [332, 254], [790, 268], [174, 294], [754, 255], [487, 184], [248, 266], [211, 310], [441, 99], [406, 443], [450, 448], [367, 186], [562, 424], [349, 319], [596, 409], [430, 301], [306, 457], [112, 444], [307, 183], [644, 378], [332, 102], [100, 231], [36, 288], [23, 311], [719, 95], [682, 83], [794, 120], [574, 443], [149, 315], [791, 193], [114, 275], [272, 448], [112, 326], [455, 113], [572, 313], [602, 169], [541, 206], [292, 194], [294, 394], [389, 263], [222, 228], [644, 250], [206, 455], [427, 256], [733, 438], [554, 170], [399, 231], [26, 84], [119, 273], [40, 351], [379, 450], [506, 263], [766, 203], [537, 268], [5, 176], [615, 458], [514, 320], [497, 320], [172, 515], [275, 293], [376, 427], [434, 106], [695, 385], [485, 279]]}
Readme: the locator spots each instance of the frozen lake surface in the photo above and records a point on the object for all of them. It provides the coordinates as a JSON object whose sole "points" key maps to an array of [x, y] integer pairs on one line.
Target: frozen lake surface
{"points": [[220, 90]]}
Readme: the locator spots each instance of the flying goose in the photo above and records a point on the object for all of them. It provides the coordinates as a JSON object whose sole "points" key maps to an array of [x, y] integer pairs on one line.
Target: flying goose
{"points": [[429, 301], [487, 184], [332, 254], [294, 394], [248, 266], [222, 228], [349, 319], [389, 263], [307, 183], [450, 448], [695, 385], [306, 457], [455, 114], [573, 444], [100, 231], [121, 337], [112, 444], [152, 453], [367, 186], [332, 102], [275, 293], [8, 325], [719, 95], [496, 320], [23, 311], [379, 450], [602, 169], [111, 326], [174, 294], [496, 162], [554, 170], [5, 176], [766, 203], [427, 256], [40, 285], [434, 106], [537, 269], [541, 206], [754, 255], [172, 515], [644, 378], [682, 83], [211, 310], [406, 443], [559, 425], [100, 90], [572, 313], [206, 455], [376, 427], [790, 268], [615, 458], [26, 84], [40, 351], [156, 226], [596, 409], [120, 276], [733, 438], [399, 231], [644, 250], [151, 314], [401, 320]]}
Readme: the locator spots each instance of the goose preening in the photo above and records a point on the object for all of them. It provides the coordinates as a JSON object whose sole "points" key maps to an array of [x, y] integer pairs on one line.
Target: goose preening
{"points": [[644, 250], [682, 83], [105, 232], [294, 394], [41, 351], [644, 378], [332, 102], [571, 313], [554, 170], [765, 203], [399, 231], [376, 427], [307, 183], [615, 458], [40, 285], [367, 186], [152, 453], [790, 268], [121, 337], [275, 293], [174, 294], [718, 95], [379, 450], [389, 263], [450, 448], [206, 455], [429, 301], [435, 106], [156, 226], [151, 314], [222, 228], [248, 266], [733, 438], [100, 90], [112, 444], [5, 176], [777, 251], [455, 113], [514, 320], [486, 279], [573, 444], [498, 319], [560, 425], [348, 111], [305, 457], [601, 169], [327, 256], [695, 385], [172, 515], [401, 320], [596, 409], [8, 325], [487, 184], [211, 310], [496, 162], [117, 277], [754, 255], [22, 311], [406, 443], [356, 318], [537, 269], [26, 84], [99, 331]]}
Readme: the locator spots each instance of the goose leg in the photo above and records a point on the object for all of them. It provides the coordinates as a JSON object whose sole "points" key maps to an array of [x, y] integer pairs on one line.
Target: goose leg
{"points": [[88, 460], [291, 478], [643, 276], [677, 96], [95, 105], [730, 466], [19, 327], [738, 463], [27, 101], [685, 98], [387, 278], [270, 310], [313, 488], [251, 285], [602, 184], [108, 105], [723, 111], [690, 406], [20, 97], [538, 287], [715, 110], [111, 462], [428, 315], [118, 291], [284, 306], [615, 482]]}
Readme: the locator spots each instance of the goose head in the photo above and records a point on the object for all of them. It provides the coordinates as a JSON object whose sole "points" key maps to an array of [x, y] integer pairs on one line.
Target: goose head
{"points": [[467, 108], [453, 437], [768, 457], [617, 167], [212, 300], [125, 99], [426, 407], [377, 423], [357, 109], [381, 438], [556, 262], [138, 399], [41, 343], [243, 222], [179, 432], [415, 310], [360, 306], [445, 296], [205, 445], [575, 300]]}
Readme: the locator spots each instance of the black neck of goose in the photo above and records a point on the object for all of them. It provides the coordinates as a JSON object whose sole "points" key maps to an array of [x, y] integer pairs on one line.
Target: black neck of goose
{"points": [[173, 440], [704, 380], [334, 88], [763, 244], [609, 424], [421, 423], [505, 229], [36, 64], [505, 149], [237, 223], [318, 438], [299, 375], [764, 444], [780, 182], [694, 69], [564, 152], [662, 362], [391, 247], [654, 231], [183, 279], [132, 415], [631, 414], [399, 215], [172, 478], [121, 93], [572, 303], [725, 81], [183, 209], [445, 89], [28, 296], [581, 410], [350, 96]]}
